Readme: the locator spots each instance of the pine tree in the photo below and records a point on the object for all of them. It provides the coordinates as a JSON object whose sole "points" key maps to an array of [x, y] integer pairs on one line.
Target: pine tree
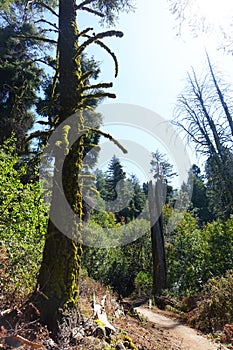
{"points": [[20, 74], [199, 198]]}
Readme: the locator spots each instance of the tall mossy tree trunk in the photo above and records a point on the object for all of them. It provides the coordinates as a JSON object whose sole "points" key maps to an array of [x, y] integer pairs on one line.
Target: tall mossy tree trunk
{"points": [[57, 283], [57, 289]]}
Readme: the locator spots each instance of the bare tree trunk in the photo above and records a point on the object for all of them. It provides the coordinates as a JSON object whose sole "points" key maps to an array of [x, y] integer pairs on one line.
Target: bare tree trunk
{"points": [[156, 195], [221, 97]]}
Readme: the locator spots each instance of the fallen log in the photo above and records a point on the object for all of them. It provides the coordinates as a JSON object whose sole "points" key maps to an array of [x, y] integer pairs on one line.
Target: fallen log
{"points": [[100, 313]]}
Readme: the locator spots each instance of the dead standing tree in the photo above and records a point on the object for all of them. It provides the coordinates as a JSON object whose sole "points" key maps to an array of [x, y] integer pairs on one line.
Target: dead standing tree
{"points": [[156, 200]]}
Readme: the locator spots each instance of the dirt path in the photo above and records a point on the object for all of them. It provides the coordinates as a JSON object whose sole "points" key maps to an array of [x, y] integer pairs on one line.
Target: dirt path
{"points": [[189, 338]]}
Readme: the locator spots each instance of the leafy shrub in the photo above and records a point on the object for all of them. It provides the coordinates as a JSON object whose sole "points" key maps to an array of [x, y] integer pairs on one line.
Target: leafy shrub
{"points": [[143, 283], [117, 267], [22, 222], [195, 255], [216, 308]]}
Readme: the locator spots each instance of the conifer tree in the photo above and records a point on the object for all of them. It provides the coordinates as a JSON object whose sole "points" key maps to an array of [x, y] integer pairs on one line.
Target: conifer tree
{"points": [[57, 284], [20, 74]]}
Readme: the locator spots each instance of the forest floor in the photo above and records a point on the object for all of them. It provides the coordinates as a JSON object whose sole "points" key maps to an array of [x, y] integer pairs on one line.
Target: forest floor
{"points": [[145, 329], [186, 337]]}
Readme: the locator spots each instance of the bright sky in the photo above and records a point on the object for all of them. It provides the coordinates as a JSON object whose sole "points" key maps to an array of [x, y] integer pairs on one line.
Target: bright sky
{"points": [[153, 65], [154, 60]]}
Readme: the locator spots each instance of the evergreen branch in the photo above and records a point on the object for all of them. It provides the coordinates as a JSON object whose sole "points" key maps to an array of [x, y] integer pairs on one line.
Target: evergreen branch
{"points": [[97, 86], [41, 60], [92, 145], [41, 3], [49, 30], [41, 122], [85, 31], [37, 134], [96, 37], [26, 37], [97, 13], [99, 95], [84, 3], [85, 76], [106, 48], [47, 107], [111, 138], [49, 23]]}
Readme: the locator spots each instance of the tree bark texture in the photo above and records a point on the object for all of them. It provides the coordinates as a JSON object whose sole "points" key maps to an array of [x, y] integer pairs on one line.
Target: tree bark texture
{"points": [[57, 284], [156, 195]]}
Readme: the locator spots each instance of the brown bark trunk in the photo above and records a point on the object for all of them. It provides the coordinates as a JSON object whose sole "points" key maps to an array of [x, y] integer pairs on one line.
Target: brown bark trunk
{"points": [[57, 284], [156, 196]]}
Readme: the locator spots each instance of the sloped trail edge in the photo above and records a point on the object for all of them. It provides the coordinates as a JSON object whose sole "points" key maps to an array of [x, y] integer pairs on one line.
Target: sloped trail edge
{"points": [[188, 337]]}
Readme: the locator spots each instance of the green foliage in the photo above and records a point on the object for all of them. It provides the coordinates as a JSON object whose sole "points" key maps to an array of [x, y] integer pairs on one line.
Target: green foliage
{"points": [[194, 255], [123, 196], [118, 267], [199, 199], [20, 78], [216, 308], [22, 221], [111, 8], [5, 4], [185, 256], [162, 169], [219, 238], [220, 183], [143, 283]]}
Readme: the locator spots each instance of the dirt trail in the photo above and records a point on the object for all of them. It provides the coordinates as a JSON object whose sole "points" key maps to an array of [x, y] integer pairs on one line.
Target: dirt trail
{"points": [[188, 337]]}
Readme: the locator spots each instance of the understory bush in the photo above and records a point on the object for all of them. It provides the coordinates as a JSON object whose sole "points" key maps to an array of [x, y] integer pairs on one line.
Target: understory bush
{"points": [[22, 223], [195, 255], [118, 266], [216, 307]]}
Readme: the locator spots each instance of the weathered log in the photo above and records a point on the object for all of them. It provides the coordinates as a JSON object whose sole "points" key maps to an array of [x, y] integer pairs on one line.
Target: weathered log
{"points": [[100, 313]]}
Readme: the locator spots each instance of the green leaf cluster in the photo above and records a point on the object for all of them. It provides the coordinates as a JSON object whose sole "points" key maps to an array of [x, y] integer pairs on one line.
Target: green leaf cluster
{"points": [[118, 267], [194, 255], [216, 308], [22, 221]]}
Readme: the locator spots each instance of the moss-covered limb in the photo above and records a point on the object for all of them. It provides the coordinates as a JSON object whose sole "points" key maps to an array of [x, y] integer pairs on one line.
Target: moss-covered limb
{"points": [[85, 31], [111, 138], [98, 36], [95, 12], [106, 48], [97, 86], [99, 95], [84, 3]]}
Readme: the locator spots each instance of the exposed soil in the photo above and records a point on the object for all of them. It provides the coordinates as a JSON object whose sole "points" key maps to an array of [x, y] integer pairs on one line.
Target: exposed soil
{"points": [[187, 337], [145, 329]]}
